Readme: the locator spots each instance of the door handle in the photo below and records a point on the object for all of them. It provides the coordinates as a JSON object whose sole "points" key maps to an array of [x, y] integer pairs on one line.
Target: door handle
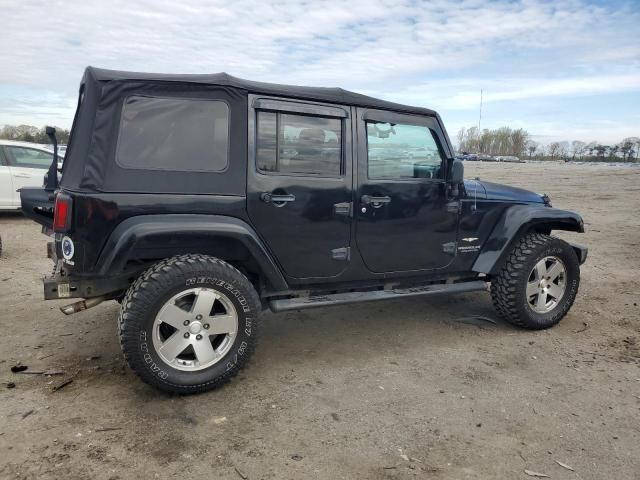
{"points": [[277, 200], [22, 175], [375, 201]]}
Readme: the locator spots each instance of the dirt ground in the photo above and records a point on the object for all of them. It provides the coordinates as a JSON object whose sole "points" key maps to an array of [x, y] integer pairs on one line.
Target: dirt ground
{"points": [[403, 389]]}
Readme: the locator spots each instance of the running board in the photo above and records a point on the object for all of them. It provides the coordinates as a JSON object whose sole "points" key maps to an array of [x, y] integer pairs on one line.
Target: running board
{"points": [[299, 303]]}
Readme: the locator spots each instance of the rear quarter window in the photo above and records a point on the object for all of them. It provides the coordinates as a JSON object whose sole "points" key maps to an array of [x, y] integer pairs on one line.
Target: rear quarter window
{"points": [[175, 134]]}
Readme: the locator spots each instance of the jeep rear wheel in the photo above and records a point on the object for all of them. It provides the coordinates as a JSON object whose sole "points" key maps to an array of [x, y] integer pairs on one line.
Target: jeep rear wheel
{"points": [[538, 283], [189, 323]]}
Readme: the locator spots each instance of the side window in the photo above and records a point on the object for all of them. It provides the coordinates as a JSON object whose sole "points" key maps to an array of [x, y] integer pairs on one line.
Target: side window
{"points": [[30, 158], [401, 151], [299, 144], [175, 134]]}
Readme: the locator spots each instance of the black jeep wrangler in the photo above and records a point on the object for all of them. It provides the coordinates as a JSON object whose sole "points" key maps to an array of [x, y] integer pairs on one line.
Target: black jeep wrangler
{"points": [[197, 201]]}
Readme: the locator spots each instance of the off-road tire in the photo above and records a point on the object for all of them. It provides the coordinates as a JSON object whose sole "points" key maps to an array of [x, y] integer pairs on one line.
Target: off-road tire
{"points": [[508, 287], [148, 294]]}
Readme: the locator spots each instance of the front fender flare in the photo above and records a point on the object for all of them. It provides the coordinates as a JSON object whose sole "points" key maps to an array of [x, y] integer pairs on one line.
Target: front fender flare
{"points": [[516, 220], [144, 228]]}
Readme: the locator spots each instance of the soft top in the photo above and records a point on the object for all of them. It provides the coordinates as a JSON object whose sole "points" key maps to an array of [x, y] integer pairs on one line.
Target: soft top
{"points": [[322, 94], [91, 159]]}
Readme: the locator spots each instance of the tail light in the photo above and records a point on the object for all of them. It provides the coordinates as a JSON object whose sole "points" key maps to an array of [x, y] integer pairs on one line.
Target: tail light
{"points": [[62, 213]]}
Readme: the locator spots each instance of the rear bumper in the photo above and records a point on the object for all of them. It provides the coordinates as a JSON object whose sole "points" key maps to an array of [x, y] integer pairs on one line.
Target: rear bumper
{"points": [[61, 285], [581, 252]]}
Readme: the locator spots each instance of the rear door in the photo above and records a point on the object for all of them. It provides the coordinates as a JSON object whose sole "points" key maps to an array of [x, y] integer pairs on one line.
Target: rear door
{"points": [[299, 188], [405, 222], [6, 183], [28, 167]]}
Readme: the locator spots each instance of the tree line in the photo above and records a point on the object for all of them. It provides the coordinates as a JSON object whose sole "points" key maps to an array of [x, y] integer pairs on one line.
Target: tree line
{"points": [[518, 142], [501, 141], [29, 133], [627, 150]]}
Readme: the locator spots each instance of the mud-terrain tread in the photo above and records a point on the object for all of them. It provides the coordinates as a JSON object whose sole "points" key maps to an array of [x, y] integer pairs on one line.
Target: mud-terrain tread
{"points": [[504, 294], [143, 287]]}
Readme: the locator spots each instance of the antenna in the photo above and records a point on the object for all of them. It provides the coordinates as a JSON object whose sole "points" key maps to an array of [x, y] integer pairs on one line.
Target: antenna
{"points": [[480, 116]]}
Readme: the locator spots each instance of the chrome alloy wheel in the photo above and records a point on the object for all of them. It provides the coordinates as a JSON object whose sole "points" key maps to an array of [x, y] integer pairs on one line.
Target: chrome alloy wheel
{"points": [[195, 329], [546, 285]]}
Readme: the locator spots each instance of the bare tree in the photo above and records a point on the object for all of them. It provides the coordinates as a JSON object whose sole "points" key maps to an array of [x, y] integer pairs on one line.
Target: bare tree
{"points": [[484, 142], [590, 149], [563, 151], [627, 148], [469, 142], [577, 149], [554, 150], [601, 150], [461, 137], [518, 142]]}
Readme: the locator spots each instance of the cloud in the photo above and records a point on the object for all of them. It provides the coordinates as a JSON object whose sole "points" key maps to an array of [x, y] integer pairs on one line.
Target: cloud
{"points": [[435, 53], [464, 94]]}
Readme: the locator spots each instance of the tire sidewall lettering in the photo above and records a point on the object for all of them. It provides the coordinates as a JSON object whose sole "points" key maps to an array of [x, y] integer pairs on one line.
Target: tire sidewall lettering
{"points": [[215, 282], [148, 359], [242, 349]]}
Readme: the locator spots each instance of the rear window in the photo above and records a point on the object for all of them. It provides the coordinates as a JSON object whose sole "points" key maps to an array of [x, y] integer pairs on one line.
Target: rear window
{"points": [[178, 134]]}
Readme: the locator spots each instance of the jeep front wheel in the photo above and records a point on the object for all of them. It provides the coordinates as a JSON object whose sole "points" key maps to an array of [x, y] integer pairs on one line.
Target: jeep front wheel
{"points": [[189, 323], [538, 283]]}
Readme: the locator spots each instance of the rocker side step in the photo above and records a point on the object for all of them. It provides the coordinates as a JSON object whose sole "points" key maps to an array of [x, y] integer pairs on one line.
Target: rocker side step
{"points": [[299, 303]]}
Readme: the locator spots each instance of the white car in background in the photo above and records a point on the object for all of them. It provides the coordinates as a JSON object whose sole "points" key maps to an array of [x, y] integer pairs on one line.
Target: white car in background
{"points": [[22, 164], [62, 151]]}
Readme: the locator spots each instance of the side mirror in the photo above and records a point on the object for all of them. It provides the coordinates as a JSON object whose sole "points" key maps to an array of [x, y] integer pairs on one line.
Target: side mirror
{"points": [[456, 175]]}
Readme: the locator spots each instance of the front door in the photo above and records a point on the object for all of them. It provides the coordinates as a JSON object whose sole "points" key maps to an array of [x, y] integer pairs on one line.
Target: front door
{"points": [[405, 221], [299, 189]]}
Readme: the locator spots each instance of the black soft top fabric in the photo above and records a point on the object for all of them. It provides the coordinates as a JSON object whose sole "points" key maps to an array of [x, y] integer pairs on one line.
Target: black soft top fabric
{"points": [[321, 94], [90, 163]]}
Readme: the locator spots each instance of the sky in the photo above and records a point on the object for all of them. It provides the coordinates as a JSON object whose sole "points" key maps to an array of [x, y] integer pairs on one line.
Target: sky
{"points": [[562, 70]]}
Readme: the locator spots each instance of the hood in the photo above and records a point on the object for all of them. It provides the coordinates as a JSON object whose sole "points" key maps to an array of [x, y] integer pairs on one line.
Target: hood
{"points": [[497, 191]]}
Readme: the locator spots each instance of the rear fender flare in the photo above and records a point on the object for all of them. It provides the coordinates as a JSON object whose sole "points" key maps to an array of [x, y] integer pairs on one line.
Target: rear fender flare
{"points": [[152, 230], [514, 222]]}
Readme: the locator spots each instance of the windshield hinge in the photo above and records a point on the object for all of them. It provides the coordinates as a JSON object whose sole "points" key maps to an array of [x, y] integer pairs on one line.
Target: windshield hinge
{"points": [[454, 207], [343, 253], [343, 208]]}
